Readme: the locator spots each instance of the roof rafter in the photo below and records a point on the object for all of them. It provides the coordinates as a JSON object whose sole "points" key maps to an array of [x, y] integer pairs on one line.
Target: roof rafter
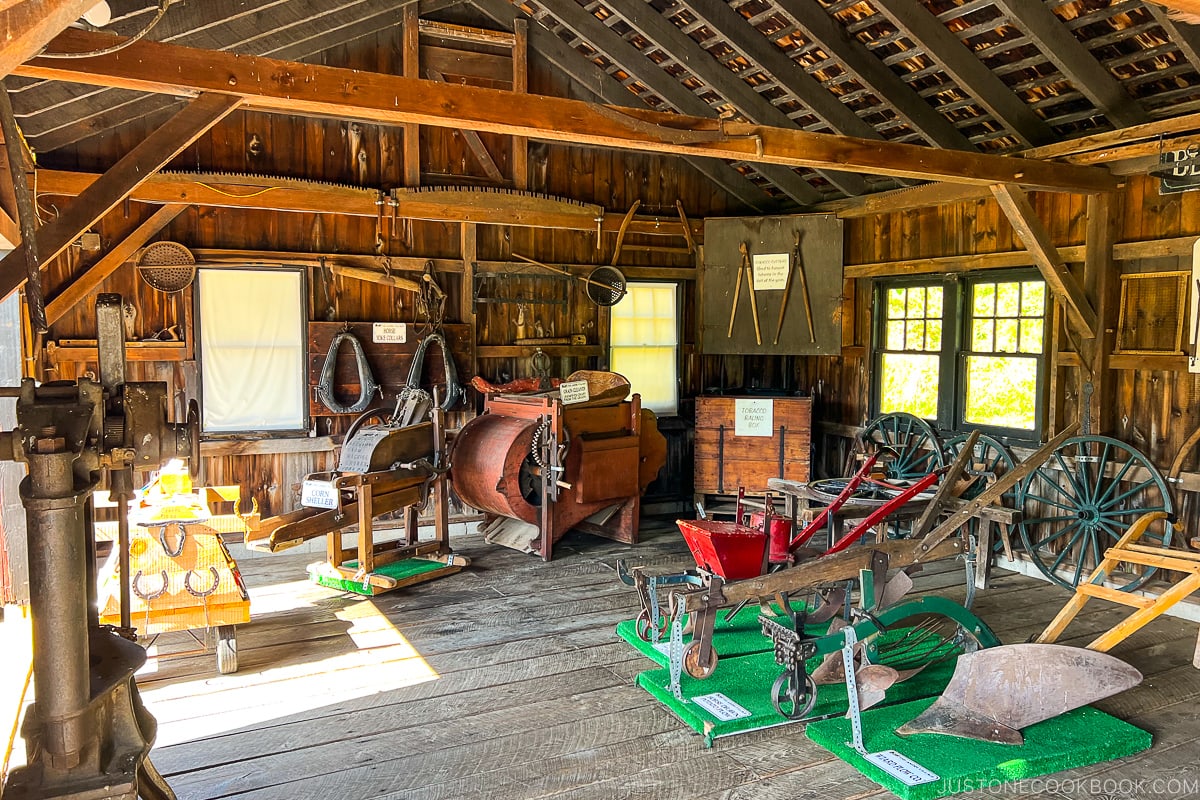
{"points": [[1074, 60], [1184, 35], [608, 89], [633, 61], [971, 75], [284, 87], [871, 72], [654, 26]]}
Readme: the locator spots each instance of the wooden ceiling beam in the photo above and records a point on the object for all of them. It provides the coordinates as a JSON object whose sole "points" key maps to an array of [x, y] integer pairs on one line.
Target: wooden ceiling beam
{"points": [[966, 70], [149, 156], [662, 31], [603, 38], [608, 89], [26, 27], [1057, 43], [871, 72], [107, 264], [1016, 206], [289, 88]]}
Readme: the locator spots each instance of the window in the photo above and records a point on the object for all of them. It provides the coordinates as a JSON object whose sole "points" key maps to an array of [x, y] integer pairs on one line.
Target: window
{"points": [[252, 350], [644, 344], [963, 354]]}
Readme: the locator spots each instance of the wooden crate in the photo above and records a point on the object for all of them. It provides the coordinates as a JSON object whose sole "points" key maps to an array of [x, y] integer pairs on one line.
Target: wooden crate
{"points": [[726, 461]]}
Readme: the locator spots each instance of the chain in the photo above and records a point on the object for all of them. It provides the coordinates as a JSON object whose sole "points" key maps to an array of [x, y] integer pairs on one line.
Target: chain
{"points": [[655, 634], [855, 713], [676, 650]]}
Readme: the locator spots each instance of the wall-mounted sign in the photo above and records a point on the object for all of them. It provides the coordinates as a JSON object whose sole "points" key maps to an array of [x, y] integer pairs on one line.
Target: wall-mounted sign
{"points": [[389, 333], [1179, 170], [754, 418], [770, 270]]}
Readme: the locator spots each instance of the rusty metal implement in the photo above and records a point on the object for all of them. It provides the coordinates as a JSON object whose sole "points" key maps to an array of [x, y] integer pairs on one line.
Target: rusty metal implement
{"points": [[997, 692]]}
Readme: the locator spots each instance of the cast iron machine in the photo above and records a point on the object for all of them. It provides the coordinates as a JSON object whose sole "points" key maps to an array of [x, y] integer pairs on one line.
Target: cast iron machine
{"points": [[88, 734]]}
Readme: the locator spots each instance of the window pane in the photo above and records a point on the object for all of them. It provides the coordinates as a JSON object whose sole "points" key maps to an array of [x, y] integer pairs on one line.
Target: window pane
{"points": [[252, 350], [909, 382], [984, 304], [1006, 336], [1001, 392], [934, 305], [1033, 299], [915, 337], [895, 303], [933, 335], [644, 344], [1031, 335], [895, 336], [916, 302], [1007, 299], [981, 335]]}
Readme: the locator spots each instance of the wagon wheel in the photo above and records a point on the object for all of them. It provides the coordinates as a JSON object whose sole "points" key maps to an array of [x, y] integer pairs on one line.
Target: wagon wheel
{"points": [[1080, 502], [992, 459], [915, 450]]}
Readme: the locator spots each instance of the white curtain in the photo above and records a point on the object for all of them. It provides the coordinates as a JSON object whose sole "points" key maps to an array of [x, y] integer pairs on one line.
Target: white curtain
{"points": [[252, 350]]}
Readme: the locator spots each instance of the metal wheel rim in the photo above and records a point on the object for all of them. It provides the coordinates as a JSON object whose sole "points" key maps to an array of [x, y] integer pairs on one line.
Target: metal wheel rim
{"points": [[995, 458], [918, 451], [782, 692], [1070, 502]]}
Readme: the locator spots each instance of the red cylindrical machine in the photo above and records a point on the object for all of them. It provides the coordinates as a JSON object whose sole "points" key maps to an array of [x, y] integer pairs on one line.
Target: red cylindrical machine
{"points": [[488, 456]]}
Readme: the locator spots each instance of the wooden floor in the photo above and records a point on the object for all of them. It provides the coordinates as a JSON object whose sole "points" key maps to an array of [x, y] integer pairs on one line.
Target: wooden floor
{"points": [[507, 681]]}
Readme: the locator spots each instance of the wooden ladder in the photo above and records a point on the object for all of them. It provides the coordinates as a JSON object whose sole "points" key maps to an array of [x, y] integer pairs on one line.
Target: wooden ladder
{"points": [[1129, 551]]}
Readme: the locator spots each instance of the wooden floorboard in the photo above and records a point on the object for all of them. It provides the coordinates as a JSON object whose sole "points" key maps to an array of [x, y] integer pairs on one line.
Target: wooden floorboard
{"points": [[506, 681]]}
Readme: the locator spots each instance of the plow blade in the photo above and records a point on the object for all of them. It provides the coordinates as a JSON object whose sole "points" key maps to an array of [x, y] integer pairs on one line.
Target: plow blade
{"points": [[996, 692]]}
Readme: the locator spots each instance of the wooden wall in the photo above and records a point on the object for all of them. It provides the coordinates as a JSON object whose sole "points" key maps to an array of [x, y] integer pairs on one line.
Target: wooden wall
{"points": [[370, 156]]}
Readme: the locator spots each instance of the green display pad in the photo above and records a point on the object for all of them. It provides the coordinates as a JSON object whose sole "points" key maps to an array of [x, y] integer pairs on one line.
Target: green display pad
{"points": [[1075, 739], [739, 636], [747, 681], [397, 570]]}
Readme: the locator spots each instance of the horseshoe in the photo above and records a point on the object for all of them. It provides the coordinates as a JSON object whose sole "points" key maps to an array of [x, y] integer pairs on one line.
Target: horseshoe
{"points": [[162, 540], [148, 596], [187, 583]]}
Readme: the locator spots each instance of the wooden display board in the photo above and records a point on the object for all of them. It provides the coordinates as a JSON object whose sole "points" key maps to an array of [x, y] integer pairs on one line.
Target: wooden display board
{"points": [[745, 441], [771, 242]]}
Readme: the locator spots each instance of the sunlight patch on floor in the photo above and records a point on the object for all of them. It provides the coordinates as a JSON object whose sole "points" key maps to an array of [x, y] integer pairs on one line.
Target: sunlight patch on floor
{"points": [[383, 660]]}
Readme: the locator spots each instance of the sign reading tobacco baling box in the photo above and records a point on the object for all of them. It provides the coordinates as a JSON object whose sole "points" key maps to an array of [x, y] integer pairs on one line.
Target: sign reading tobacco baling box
{"points": [[754, 418]]}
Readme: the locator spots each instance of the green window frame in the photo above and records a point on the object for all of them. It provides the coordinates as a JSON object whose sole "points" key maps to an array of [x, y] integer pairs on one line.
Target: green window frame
{"points": [[964, 353]]}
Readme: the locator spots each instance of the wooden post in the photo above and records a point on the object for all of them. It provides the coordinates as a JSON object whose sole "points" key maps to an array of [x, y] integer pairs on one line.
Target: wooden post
{"points": [[520, 60], [468, 235], [1102, 287], [412, 69]]}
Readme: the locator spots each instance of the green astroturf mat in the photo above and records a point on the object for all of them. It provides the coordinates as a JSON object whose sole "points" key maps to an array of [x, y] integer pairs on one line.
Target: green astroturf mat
{"points": [[739, 636], [397, 570], [746, 682], [1075, 739]]}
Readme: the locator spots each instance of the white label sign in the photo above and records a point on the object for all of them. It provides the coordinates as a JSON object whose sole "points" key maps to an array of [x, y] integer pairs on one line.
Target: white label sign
{"points": [[389, 333], [574, 392], [663, 647], [770, 270], [901, 767], [318, 494], [754, 418], [721, 706]]}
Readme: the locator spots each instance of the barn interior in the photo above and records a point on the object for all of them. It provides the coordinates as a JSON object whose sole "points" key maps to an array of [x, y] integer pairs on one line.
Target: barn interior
{"points": [[563, 399]]}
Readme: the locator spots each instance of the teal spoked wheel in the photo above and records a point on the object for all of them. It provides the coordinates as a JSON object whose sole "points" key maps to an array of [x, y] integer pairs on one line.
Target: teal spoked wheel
{"points": [[913, 447], [991, 460], [1082, 500]]}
